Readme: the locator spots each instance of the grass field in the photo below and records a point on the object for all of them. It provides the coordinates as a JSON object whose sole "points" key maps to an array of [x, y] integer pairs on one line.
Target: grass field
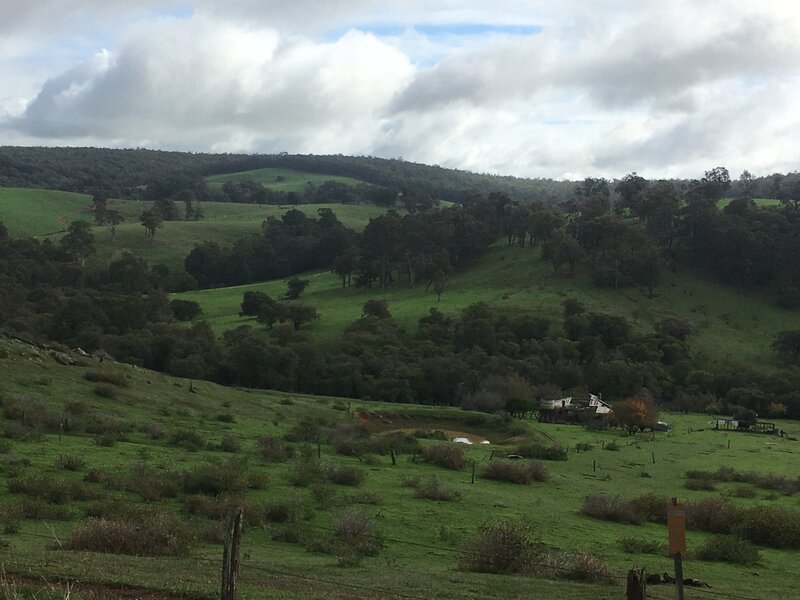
{"points": [[47, 213], [732, 326], [758, 201], [422, 536], [29, 212], [280, 180]]}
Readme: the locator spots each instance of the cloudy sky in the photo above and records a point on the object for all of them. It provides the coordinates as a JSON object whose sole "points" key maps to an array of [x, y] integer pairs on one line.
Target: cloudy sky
{"points": [[537, 88]]}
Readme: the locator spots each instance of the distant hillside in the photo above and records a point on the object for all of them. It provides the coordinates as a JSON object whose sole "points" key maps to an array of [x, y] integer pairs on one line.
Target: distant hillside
{"points": [[123, 173]]}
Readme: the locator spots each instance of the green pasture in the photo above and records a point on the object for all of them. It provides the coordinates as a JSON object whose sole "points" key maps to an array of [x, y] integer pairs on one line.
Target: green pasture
{"points": [[280, 180], [422, 536], [47, 213], [31, 212], [731, 326], [758, 201]]}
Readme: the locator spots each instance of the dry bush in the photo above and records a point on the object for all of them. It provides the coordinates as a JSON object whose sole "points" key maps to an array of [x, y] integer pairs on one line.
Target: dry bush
{"points": [[293, 510], [541, 451], [153, 484], [714, 515], [503, 546], [218, 507], [155, 431], [447, 456], [110, 378], [305, 472], [744, 492], [611, 508], [106, 391], [53, 490], [729, 549], [522, 473], [111, 481], [215, 478], [366, 498], [578, 566], [68, 462], [700, 485], [229, 443], [149, 533], [651, 507], [342, 474], [434, 489], [769, 526], [187, 439], [273, 449], [34, 508], [357, 534], [409, 481]]}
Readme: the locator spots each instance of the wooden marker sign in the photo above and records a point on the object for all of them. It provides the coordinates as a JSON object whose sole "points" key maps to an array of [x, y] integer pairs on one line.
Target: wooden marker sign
{"points": [[676, 524]]}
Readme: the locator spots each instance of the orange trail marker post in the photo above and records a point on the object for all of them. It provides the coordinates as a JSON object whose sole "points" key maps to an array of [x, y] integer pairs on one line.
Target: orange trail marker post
{"points": [[676, 526]]}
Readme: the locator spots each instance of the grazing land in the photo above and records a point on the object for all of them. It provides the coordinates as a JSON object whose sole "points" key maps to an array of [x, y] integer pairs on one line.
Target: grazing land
{"points": [[731, 326], [141, 427], [279, 179]]}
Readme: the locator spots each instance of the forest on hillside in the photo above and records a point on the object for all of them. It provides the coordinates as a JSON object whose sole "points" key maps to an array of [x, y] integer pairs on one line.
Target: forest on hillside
{"points": [[622, 235]]}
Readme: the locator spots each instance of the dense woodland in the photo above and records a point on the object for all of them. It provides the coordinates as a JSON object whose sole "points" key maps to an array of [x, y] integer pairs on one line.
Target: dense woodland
{"points": [[624, 234]]}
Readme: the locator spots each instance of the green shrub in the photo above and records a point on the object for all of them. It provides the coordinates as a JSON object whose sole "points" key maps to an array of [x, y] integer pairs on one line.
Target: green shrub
{"points": [[651, 507], [612, 446], [305, 472], [409, 481], [583, 447], [578, 566], [729, 549], [522, 473], [53, 490], [34, 508], [286, 511], [611, 508], [434, 489], [153, 484], [447, 456], [543, 451], [503, 546], [372, 498], [357, 534], [149, 533]]}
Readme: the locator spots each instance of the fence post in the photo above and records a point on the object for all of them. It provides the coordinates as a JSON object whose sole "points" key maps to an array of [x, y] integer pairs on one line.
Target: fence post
{"points": [[230, 554], [473, 470], [636, 588], [394, 458]]}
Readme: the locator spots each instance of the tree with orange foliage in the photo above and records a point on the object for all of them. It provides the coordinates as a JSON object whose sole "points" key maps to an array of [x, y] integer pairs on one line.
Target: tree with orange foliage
{"points": [[637, 413]]}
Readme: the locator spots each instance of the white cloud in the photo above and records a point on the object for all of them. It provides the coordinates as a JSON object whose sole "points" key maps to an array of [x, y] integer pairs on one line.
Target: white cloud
{"points": [[605, 88]]}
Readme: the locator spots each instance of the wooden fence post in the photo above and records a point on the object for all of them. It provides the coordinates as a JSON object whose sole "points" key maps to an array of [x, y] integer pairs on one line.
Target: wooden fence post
{"points": [[394, 458], [473, 470], [230, 554], [636, 588]]}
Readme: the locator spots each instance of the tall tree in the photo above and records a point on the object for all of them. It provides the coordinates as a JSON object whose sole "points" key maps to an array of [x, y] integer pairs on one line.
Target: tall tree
{"points": [[78, 243]]}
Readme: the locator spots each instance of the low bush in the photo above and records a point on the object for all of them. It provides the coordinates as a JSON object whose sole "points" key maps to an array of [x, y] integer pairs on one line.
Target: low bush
{"points": [[305, 472], [714, 515], [522, 473], [611, 508], [109, 378], [445, 455], [273, 449], [578, 566], [106, 391], [152, 483], [698, 485], [53, 490], [34, 508], [149, 533], [286, 511], [583, 447], [543, 451], [434, 489], [229, 443], [409, 481], [215, 478], [651, 507], [631, 545], [187, 439], [744, 492], [68, 462], [503, 546], [423, 434], [372, 498], [729, 549], [357, 534], [612, 446], [155, 431], [769, 526], [342, 474]]}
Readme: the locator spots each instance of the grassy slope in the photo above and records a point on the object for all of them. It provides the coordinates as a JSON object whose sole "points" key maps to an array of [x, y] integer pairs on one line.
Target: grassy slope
{"points": [[47, 213], [28, 212], [293, 181], [425, 570], [732, 326]]}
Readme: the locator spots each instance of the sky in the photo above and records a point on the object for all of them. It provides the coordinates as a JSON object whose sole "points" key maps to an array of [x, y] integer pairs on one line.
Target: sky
{"points": [[532, 88]]}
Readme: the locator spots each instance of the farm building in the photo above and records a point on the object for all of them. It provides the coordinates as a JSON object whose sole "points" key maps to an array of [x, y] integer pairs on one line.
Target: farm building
{"points": [[736, 425], [572, 410]]}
